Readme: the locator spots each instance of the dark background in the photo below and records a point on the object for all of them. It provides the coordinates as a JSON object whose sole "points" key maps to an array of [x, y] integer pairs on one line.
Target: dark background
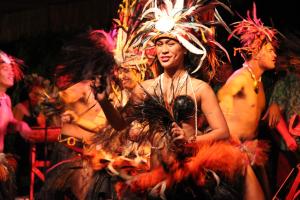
{"points": [[34, 30]]}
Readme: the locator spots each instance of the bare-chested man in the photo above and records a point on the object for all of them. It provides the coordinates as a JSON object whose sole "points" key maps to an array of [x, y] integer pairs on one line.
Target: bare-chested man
{"points": [[71, 174], [242, 98]]}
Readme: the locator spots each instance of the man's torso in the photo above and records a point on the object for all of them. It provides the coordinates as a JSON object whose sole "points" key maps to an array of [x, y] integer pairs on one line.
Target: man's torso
{"points": [[247, 108]]}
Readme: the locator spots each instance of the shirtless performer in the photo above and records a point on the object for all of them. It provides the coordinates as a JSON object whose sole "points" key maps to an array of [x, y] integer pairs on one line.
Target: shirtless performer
{"points": [[71, 174], [9, 71], [242, 98]]}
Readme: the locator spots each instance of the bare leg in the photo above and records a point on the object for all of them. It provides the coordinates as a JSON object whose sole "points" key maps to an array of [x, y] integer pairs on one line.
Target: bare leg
{"points": [[252, 187]]}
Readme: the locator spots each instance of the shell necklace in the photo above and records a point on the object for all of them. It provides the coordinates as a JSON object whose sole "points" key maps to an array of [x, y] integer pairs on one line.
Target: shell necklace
{"points": [[255, 80]]}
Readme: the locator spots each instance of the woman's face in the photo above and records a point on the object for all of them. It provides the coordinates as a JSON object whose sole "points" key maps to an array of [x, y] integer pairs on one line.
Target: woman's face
{"points": [[170, 53], [129, 78]]}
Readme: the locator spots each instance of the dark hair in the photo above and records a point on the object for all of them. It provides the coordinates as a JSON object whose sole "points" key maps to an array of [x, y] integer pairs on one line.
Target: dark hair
{"points": [[247, 55], [84, 57]]}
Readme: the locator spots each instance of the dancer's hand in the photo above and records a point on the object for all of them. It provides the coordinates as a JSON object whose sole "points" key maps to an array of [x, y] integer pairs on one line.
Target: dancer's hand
{"points": [[291, 143], [273, 115], [100, 87], [135, 130], [177, 133], [69, 116]]}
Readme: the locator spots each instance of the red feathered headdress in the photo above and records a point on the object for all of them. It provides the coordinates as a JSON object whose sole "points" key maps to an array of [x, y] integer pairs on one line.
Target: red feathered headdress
{"points": [[253, 34]]}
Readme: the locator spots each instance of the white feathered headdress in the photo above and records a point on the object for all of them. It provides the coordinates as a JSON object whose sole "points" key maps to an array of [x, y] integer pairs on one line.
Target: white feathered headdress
{"points": [[180, 21]]}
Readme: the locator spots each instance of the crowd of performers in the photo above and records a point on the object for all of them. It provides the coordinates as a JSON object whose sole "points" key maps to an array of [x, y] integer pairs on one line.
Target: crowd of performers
{"points": [[136, 120]]}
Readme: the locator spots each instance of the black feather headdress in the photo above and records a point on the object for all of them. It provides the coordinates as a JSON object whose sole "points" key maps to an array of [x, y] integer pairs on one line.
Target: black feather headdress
{"points": [[83, 58]]}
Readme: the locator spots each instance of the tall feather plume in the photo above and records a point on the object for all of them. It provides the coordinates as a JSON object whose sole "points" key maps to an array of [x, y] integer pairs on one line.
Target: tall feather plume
{"points": [[128, 21], [125, 52]]}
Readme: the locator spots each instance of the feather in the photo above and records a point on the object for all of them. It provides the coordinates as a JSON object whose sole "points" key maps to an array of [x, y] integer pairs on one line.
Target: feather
{"points": [[214, 172], [189, 46], [147, 4], [4, 57], [7, 176], [17, 64], [220, 19], [187, 13], [85, 56], [200, 63], [157, 11], [178, 6], [153, 111], [221, 47], [252, 33], [169, 6]]}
